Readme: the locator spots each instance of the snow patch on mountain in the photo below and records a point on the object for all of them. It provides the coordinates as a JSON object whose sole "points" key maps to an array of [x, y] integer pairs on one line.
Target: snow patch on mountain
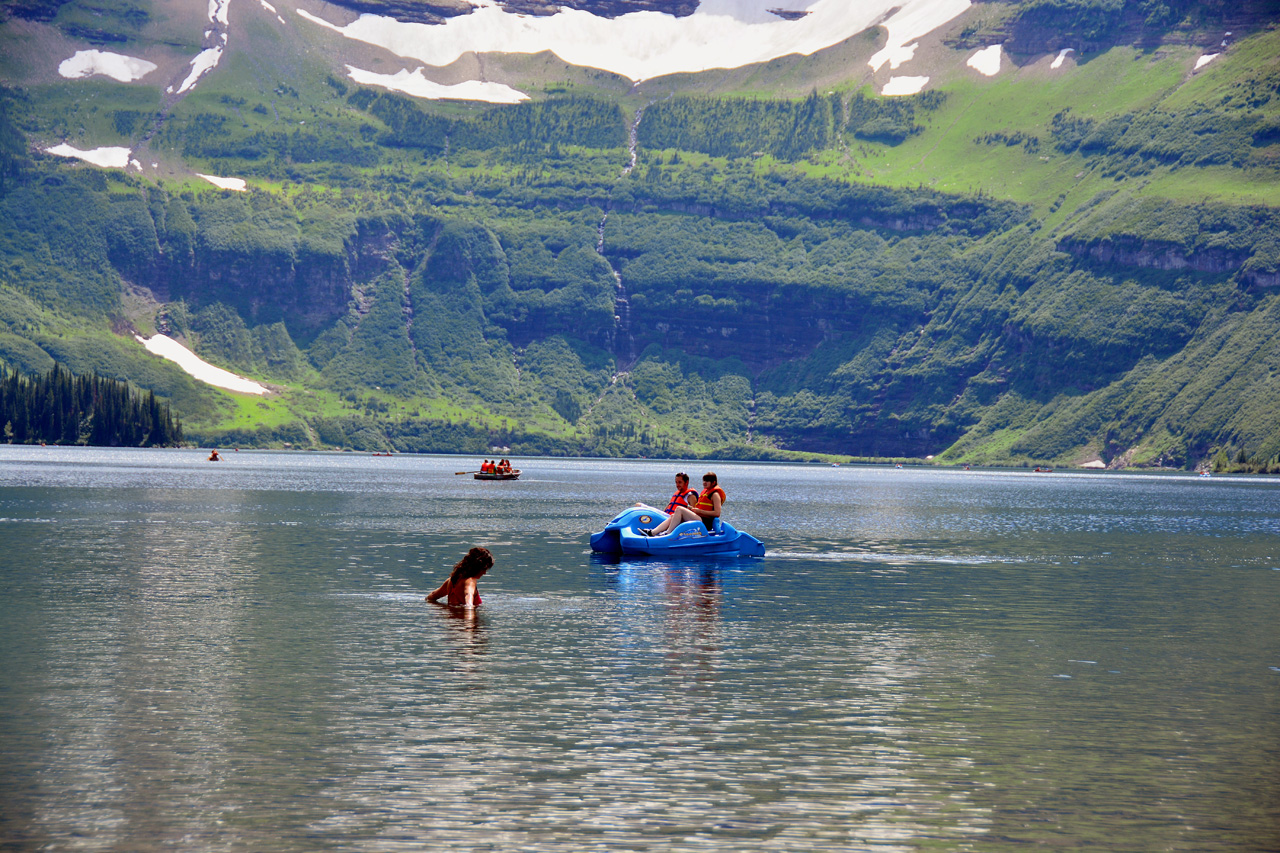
{"points": [[1062, 55], [986, 61], [271, 9], [642, 45], [237, 184], [909, 23], [107, 158], [1205, 60], [117, 66], [204, 62], [898, 86], [894, 56], [167, 348], [416, 84], [208, 59]]}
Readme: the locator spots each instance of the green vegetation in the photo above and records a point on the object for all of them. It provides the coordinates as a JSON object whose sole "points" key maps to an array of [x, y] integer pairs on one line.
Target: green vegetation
{"points": [[1107, 22], [59, 408], [787, 130], [1044, 267]]}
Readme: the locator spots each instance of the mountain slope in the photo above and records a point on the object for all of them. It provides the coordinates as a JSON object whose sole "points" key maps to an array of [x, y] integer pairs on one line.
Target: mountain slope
{"points": [[1043, 257]]}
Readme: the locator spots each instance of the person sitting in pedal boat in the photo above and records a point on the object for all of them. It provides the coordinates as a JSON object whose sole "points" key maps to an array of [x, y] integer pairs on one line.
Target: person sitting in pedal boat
{"points": [[684, 496], [707, 508]]}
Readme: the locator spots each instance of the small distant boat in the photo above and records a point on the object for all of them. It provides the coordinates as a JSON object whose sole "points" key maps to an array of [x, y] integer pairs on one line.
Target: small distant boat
{"points": [[513, 474], [1039, 470]]}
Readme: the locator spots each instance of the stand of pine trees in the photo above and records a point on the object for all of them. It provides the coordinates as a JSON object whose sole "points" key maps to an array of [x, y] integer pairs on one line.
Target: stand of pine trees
{"points": [[61, 408]]}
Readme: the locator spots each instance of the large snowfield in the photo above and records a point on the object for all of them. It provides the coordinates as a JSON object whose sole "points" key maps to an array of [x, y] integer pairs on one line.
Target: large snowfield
{"points": [[639, 45], [643, 45]]}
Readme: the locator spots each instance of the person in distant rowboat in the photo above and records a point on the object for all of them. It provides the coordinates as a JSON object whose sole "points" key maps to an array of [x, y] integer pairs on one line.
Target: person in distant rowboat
{"points": [[460, 589], [706, 509]]}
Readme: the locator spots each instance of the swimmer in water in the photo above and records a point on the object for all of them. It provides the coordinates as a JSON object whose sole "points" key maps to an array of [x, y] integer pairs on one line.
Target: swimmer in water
{"points": [[460, 589]]}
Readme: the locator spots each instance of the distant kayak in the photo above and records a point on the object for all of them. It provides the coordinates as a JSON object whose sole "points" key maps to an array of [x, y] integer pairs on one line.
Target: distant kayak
{"points": [[691, 539], [513, 474]]}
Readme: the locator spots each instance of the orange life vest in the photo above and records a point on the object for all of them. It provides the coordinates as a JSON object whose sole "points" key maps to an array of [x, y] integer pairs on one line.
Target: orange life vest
{"points": [[681, 498], [704, 499]]}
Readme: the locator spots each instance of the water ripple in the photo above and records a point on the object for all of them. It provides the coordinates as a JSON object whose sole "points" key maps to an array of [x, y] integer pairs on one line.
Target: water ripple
{"points": [[240, 659]]}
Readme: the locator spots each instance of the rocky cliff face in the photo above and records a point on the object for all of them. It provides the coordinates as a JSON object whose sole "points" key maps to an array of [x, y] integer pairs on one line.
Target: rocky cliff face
{"points": [[1154, 254], [305, 283], [764, 327], [437, 11], [1051, 25]]}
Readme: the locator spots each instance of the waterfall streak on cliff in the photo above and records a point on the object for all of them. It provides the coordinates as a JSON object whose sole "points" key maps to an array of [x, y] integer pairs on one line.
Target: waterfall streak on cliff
{"points": [[408, 317], [624, 344], [632, 141]]}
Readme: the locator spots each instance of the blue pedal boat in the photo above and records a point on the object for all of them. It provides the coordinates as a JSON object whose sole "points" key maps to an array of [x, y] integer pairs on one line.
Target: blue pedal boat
{"points": [[692, 539]]}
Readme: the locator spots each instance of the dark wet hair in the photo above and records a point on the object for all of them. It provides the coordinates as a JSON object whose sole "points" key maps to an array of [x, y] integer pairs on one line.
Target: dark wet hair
{"points": [[711, 475], [477, 562], [683, 476]]}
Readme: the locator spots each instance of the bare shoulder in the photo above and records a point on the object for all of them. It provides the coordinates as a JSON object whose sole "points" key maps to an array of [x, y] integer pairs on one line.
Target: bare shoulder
{"points": [[441, 591]]}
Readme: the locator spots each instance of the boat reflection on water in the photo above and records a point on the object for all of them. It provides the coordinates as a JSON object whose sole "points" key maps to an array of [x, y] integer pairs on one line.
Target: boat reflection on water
{"points": [[690, 637], [694, 640]]}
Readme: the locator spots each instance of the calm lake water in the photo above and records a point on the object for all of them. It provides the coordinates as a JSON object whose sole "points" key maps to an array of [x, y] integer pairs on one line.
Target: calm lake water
{"points": [[237, 657]]}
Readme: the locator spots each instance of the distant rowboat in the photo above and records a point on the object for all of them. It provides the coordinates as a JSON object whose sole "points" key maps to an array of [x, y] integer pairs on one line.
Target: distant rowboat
{"points": [[513, 474]]}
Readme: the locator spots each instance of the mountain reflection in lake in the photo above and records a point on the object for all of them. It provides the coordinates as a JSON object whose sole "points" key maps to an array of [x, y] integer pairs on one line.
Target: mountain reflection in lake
{"points": [[239, 657]]}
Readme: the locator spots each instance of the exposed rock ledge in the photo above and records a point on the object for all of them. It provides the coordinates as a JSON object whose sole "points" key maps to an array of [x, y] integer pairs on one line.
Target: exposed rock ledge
{"points": [[436, 11], [1154, 254]]}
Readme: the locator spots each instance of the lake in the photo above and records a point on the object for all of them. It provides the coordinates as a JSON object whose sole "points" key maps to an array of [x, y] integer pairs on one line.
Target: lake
{"points": [[237, 656]]}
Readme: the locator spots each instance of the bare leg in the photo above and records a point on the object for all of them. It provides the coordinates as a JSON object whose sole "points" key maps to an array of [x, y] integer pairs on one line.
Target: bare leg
{"points": [[678, 517]]}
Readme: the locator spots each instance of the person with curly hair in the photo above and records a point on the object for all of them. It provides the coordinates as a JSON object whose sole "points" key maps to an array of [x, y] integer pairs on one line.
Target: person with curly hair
{"points": [[460, 589]]}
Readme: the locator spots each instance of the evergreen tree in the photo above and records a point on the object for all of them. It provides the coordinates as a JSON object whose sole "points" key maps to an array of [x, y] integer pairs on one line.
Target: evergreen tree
{"points": [[61, 408]]}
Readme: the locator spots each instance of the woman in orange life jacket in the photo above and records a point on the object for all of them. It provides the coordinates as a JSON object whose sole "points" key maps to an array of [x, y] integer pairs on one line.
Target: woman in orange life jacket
{"points": [[707, 509]]}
